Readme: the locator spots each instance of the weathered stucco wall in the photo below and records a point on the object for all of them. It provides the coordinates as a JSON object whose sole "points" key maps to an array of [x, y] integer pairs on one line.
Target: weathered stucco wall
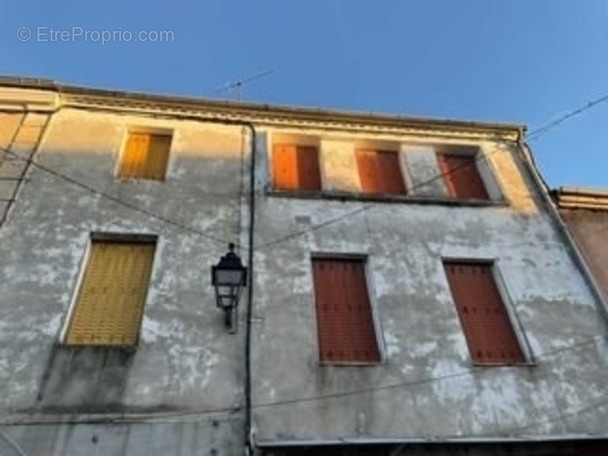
{"points": [[182, 390], [590, 230], [426, 386], [186, 368]]}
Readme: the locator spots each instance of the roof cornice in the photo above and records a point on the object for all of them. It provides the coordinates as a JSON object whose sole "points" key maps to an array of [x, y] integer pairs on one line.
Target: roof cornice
{"points": [[78, 96], [581, 198]]}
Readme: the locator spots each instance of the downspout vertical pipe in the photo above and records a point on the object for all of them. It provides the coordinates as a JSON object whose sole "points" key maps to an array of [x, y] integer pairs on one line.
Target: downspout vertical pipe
{"points": [[248, 411], [575, 252]]}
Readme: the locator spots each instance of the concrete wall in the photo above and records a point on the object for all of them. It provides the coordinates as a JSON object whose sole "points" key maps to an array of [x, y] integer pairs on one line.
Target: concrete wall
{"points": [[426, 386], [186, 374], [590, 230]]}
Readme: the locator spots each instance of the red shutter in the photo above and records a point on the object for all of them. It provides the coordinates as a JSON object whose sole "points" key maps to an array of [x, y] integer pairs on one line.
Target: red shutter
{"points": [[390, 172], [379, 172], [344, 317], [309, 176], [462, 177], [368, 172], [484, 319]]}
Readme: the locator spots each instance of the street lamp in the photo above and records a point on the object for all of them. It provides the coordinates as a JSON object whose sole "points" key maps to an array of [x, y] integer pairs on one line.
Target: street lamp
{"points": [[229, 277]]}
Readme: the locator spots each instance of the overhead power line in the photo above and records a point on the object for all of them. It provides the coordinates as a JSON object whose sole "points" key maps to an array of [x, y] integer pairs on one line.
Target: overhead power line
{"points": [[534, 134], [114, 199], [422, 381], [190, 229]]}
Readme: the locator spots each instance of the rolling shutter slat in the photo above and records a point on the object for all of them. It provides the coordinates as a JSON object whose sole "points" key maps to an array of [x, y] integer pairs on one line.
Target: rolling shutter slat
{"points": [[111, 298]]}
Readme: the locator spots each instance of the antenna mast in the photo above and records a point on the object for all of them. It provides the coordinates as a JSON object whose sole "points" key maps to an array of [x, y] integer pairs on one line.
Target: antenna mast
{"points": [[238, 84]]}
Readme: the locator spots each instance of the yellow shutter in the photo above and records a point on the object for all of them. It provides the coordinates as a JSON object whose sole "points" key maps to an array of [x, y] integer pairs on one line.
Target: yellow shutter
{"points": [[111, 298], [145, 156], [158, 156]]}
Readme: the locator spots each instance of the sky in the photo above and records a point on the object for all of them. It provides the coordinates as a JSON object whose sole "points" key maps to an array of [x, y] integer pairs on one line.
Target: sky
{"points": [[517, 61]]}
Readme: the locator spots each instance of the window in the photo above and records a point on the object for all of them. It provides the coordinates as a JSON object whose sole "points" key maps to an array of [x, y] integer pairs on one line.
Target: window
{"points": [[344, 316], [461, 176], [145, 156], [483, 316], [296, 167], [379, 172], [110, 301]]}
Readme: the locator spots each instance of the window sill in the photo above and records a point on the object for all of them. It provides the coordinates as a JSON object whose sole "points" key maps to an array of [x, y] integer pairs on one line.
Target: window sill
{"points": [[138, 179], [478, 365], [350, 363], [384, 198]]}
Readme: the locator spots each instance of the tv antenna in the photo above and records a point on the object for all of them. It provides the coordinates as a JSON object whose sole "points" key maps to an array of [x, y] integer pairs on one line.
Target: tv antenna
{"points": [[238, 84]]}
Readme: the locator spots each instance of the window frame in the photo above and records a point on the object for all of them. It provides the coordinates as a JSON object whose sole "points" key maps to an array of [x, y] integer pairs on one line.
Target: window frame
{"points": [[143, 238], [141, 130], [372, 299], [514, 321]]}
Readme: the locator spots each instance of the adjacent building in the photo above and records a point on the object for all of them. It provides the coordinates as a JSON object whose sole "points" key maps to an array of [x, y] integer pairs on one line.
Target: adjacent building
{"points": [[411, 287], [585, 214]]}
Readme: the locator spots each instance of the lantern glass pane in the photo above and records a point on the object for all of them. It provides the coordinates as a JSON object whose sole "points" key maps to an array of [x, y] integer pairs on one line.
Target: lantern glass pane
{"points": [[229, 277]]}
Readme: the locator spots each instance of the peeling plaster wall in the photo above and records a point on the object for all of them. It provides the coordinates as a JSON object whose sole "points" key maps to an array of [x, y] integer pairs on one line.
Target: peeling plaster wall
{"points": [[426, 387], [186, 364], [181, 390]]}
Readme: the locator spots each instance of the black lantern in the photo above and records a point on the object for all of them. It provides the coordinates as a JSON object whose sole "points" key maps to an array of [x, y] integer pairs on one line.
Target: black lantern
{"points": [[229, 277]]}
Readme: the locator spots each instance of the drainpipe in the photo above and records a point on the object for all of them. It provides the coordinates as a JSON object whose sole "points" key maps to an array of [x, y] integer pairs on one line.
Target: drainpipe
{"points": [[575, 253]]}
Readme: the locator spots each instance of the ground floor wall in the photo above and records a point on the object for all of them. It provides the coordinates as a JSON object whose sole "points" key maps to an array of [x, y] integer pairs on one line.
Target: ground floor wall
{"points": [[193, 436]]}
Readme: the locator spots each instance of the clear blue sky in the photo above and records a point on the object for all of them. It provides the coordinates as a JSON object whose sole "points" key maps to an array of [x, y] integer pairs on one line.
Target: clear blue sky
{"points": [[524, 61]]}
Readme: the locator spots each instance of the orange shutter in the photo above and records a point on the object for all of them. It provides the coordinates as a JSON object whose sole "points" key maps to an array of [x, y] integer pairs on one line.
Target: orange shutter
{"points": [[296, 167], [284, 166], [344, 319], [379, 172], [484, 319], [462, 177]]}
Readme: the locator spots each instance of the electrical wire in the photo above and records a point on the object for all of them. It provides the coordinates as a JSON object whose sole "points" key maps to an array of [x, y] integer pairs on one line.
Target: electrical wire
{"points": [[224, 242], [368, 206], [533, 135], [12, 443], [113, 198], [411, 383], [151, 416]]}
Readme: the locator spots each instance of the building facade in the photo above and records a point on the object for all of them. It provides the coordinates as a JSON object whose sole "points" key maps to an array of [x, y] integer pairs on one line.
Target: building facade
{"points": [[585, 214], [411, 290]]}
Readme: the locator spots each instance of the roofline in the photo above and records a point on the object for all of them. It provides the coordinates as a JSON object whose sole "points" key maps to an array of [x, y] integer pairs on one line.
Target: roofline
{"points": [[259, 109], [580, 198]]}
